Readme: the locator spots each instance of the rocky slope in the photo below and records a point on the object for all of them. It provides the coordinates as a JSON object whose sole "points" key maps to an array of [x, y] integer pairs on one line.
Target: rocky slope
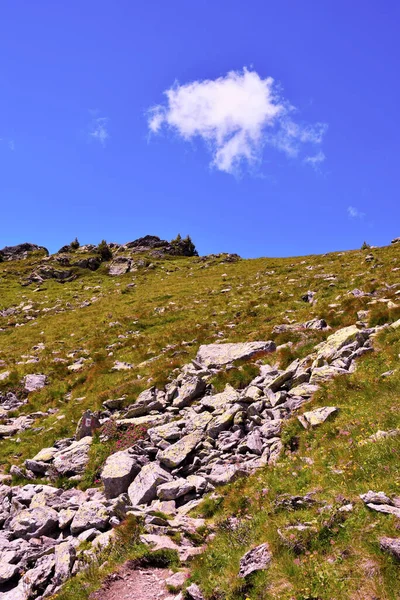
{"points": [[155, 454]]}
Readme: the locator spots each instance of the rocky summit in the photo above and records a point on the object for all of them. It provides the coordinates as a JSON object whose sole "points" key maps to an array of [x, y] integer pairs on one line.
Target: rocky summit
{"points": [[226, 428]]}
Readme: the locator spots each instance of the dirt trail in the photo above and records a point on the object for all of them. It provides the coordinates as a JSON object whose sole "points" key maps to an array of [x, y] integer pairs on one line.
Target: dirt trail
{"points": [[135, 583]]}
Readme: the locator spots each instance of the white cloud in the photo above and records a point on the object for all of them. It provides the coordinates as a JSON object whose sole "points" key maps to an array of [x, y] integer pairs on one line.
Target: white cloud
{"points": [[98, 130], [236, 115], [354, 213], [316, 160]]}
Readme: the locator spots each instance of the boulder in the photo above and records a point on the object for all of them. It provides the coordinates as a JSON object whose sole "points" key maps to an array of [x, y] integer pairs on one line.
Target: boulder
{"points": [[144, 487], [177, 453], [73, 459], [391, 545], [7, 572], [221, 400], [174, 489], [222, 474], [34, 522], [194, 592], [321, 374], [223, 422], [34, 382], [64, 558], [218, 355], [192, 388], [118, 472], [90, 514], [257, 559], [337, 340], [87, 425], [316, 417], [119, 266]]}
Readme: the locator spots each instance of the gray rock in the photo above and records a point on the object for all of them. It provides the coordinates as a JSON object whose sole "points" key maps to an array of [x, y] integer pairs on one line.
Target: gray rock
{"points": [[316, 417], [144, 487], [174, 489], [252, 443], [7, 572], [391, 545], [194, 592], [34, 382], [64, 558], [34, 522], [192, 388], [87, 425], [118, 472], [74, 458], [176, 454], [321, 374], [224, 473], [223, 422], [257, 559], [90, 514], [218, 355]]}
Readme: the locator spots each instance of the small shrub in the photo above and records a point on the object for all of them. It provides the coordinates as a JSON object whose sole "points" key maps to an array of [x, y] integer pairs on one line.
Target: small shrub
{"points": [[122, 439], [365, 246], [104, 250], [74, 245]]}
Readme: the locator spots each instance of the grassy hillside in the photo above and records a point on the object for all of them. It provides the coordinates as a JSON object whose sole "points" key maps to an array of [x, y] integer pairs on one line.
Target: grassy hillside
{"points": [[155, 318]]}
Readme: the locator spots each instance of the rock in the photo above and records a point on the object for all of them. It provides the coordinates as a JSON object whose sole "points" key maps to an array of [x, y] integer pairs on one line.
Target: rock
{"points": [[221, 400], [257, 559], [146, 402], [34, 382], [218, 355], [317, 324], [118, 472], [252, 443], [194, 592], [222, 422], [87, 425], [176, 454], [169, 432], [34, 522], [308, 297], [74, 458], [119, 266], [45, 455], [174, 489], [121, 366], [7, 430], [223, 474], [90, 514], [64, 558], [177, 580], [391, 545], [376, 498], [321, 374], [191, 389], [377, 503], [4, 375], [337, 340], [304, 389], [34, 581], [317, 417], [144, 487], [159, 542], [7, 572], [21, 251]]}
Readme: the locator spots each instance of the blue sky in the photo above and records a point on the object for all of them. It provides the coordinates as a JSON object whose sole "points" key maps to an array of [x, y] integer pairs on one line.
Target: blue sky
{"points": [[279, 135]]}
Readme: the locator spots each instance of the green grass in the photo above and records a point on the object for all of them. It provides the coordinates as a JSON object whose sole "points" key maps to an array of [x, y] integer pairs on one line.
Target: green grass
{"points": [[157, 325], [340, 556]]}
